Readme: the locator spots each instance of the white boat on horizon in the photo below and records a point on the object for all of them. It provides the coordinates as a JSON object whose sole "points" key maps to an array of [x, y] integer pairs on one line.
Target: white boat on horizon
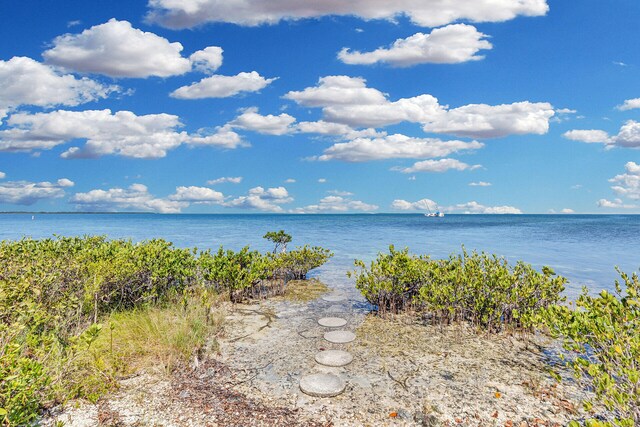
{"points": [[437, 214]]}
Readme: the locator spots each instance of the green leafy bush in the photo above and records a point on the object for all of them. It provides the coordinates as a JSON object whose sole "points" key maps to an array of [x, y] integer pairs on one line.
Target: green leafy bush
{"points": [[603, 333], [297, 263], [478, 288], [56, 295]]}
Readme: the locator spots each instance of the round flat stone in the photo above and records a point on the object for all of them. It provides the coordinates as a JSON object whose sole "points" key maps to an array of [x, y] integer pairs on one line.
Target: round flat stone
{"points": [[332, 322], [334, 298], [339, 337], [322, 385], [334, 358]]}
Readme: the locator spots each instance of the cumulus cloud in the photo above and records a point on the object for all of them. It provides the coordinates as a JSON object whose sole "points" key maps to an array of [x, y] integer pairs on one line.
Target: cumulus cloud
{"points": [[337, 90], [136, 197], [347, 100], [218, 86], [336, 204], [230, 179], [28, 193], [420, 205], [452, 44], [588, 136], [615, 204], [197, 195], [270, 124], [116, 49], [480, 184], [567, 211], [628, 136], [191, 13], [477, 208], [2, 175], [441, 165], [121, 133], [629, 104], [207, 60], [24, 81], [264, 200], [493, 121], [395, 146], [628, 184]]}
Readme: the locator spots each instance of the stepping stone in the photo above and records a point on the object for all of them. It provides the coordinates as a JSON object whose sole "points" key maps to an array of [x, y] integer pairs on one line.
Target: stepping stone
{"points": [[334, 297], [322, 385], [334, 358], [339, 337], [332, 322]]}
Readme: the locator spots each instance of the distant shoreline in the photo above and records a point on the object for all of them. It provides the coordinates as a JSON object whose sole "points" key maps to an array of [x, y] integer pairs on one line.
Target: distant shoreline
{"points": [[308, 214]]}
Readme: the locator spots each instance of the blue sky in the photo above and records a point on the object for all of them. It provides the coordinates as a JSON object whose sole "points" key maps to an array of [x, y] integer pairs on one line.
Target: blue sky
{"points": [[198, 106]]}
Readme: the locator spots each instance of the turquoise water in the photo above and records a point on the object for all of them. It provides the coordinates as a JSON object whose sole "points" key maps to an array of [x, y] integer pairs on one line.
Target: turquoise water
{"points": [[584, 248]]}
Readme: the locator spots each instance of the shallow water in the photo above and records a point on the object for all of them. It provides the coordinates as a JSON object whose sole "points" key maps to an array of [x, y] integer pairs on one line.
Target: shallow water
{"points": [[584, 248]]}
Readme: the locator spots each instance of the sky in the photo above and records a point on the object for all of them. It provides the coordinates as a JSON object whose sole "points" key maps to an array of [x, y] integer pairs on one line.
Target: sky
{"points": [[320, 106]]}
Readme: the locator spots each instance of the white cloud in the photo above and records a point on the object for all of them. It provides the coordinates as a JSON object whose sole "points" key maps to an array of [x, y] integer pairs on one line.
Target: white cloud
{"points": [[28, 193], [337, 90], [448, 45], [441, 165], [218, 86], [394, 147], [420, 205], [477, 208], [116, 49], [469, 207], [629, 104], [324, 128], [261, 199], [2, 175], [229, 179], [480, 184], [565, 111], [628, 136], [336, 204], [347, 100], [322, 180], [567, 211], [136, 197], [589, 136], [615, 204], [628, 184], [493, 121], [251, 120], [121, 133], [207, 60], [197, 195], [191, 13], [24, 81], [289, 181], [223, 137]]}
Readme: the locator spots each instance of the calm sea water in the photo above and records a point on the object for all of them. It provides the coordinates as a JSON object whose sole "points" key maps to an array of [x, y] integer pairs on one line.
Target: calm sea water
{"points": [[584, 248]]}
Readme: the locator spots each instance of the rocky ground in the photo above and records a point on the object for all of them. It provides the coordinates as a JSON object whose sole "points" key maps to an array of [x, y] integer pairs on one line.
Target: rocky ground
{"points": [[403, 374]]}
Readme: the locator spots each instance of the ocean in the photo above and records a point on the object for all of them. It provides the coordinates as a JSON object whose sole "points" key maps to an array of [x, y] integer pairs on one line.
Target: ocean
{"points": [[583, 248]]}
